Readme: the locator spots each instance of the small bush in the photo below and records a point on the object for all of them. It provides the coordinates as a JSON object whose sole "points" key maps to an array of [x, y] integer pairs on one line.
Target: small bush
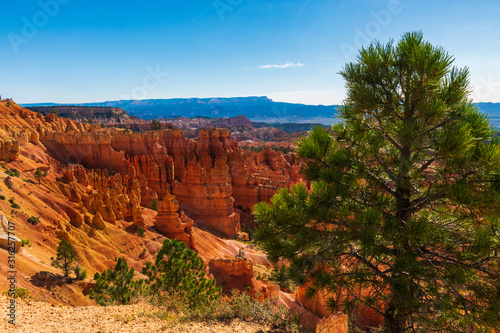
{"points": [[116, 286], [243, 306], [81, 274], [19, 293], [13, 172], [34, 220], [2, 197], [13, 204], [154, 205], [179, 271], [25, 242], [156, 125], [39, 174], [140, 231]]}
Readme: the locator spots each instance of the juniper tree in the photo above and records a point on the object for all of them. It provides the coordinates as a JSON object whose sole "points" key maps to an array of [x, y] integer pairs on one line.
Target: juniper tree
{"points": [[65, 258], [179, 271], [116, 286], [404, 199]]}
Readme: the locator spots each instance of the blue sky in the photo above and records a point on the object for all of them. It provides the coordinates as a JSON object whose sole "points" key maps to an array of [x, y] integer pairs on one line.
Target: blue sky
{"points": [[70, 51]]}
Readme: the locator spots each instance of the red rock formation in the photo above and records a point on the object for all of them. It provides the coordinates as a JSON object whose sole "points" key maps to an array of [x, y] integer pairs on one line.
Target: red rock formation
{"points": [[97, 221], [113, 199], [233, 267], [167, 221], [365, 317], [207, 197], [9, 148], [208, 176]]}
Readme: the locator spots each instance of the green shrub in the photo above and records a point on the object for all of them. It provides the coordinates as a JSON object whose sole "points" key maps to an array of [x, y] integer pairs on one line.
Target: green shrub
{"points": [[156, 125], [25, 242], [154, 205], [34, 220], [13, 204], [19, 293], [39, 174], [2, 197], [116, 286], [13, 172], [179, 271], [242, 306], [81, 274], [140, 231]]}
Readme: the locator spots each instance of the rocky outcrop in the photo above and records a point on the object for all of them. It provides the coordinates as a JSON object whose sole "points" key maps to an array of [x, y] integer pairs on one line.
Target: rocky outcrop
{"points": [[114, 197], [8, 241], [363, 317], [98, 222], [207, 197], [234, 267], [169, 223], [9, 148]]}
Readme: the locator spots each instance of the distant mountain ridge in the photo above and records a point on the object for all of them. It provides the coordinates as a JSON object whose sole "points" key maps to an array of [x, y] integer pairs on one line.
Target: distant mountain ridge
{"points": [[260, 109], [257, 109]]}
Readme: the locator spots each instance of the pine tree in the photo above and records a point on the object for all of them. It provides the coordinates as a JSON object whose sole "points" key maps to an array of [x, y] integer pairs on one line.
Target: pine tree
{"points": [[156, 125], [39, 174], [66, 257], [154, 205], [179, 271], [404, 199], [116, 286]]}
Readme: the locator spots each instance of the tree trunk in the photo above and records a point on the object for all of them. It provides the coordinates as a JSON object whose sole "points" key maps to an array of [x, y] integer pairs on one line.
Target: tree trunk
{"points": [[394, 323]]}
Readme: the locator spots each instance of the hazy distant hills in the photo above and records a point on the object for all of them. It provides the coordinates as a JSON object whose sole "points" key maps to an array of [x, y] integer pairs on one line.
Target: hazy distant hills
{"points": [[260, 109], [257, 109]]}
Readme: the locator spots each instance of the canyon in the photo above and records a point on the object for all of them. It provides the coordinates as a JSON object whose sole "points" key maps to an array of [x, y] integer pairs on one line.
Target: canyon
{"points": [[99, 187]]}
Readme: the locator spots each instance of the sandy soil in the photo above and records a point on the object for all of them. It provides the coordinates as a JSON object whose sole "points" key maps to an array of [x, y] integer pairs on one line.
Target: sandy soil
{"points": [[41, 317]]}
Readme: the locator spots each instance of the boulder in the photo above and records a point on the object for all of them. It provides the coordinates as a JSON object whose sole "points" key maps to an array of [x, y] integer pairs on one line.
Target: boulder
{"points": [[98, 222]]}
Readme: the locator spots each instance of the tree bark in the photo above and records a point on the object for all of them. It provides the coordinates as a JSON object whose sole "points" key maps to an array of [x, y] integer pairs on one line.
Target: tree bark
{"points": [[394, 323]]}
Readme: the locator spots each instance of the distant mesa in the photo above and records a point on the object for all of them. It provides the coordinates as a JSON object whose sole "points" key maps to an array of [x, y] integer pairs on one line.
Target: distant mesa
{"points": [[109, 116]]}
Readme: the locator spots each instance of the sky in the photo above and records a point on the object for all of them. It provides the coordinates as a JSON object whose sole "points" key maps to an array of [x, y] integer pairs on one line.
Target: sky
{"points": [[76, 51]]}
